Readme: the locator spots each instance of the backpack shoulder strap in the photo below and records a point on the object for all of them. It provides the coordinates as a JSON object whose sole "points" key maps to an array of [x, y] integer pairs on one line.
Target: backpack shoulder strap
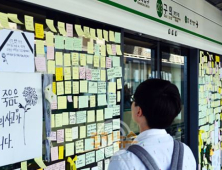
{"points": [[177, 158], [144, 156]]}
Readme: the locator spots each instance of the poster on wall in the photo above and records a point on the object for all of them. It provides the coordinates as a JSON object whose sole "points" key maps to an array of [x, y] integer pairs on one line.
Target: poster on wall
{"points": [[16, 51], [20, 117]]}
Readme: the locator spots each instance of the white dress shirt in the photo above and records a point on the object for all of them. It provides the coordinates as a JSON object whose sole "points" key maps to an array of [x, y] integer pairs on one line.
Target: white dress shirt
{"points": [[159, 145]]}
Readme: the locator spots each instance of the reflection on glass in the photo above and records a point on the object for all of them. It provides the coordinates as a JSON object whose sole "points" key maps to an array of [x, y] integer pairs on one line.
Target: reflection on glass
{"points": [[137, 64], [173, 70]]}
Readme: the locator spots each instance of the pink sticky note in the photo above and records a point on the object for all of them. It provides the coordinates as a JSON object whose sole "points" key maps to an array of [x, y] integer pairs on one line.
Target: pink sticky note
{"points": [[61, 165], [69, 30], [114, 49], [108, 62], [50, 53], [54, 105], [40, 64], [82, 72], [53, 136], [54, 153], [60, 136], [69, 98], [88, 74]]}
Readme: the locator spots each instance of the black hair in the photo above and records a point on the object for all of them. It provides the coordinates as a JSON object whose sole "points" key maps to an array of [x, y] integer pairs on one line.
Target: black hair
{"points": [[160, 102]]}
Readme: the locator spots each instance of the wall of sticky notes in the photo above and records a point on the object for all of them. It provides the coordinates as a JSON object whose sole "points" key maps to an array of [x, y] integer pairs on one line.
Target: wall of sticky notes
{"points": [[85, 59], [210, 75]]}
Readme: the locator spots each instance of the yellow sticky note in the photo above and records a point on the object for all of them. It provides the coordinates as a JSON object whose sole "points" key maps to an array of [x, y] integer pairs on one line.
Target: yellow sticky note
{"points": [[118, 96], [59, 73], [62, 102], [119, 83], [100, 34], [112, 87], [75, 85], [24, 165], [14, 18], [93, 33], [60, 88], [4, 20], [61, 27], [75, 73], [103, 62], [89, 59], [118, 50], [67, 60], [54, 87], [39, 31], [218, 59], [40, 162], [83, 86], [79, 30], [75, 59], [49, 38], [29, 24], [105, 35], [103, 75], [96, 61], [61, 152], [59, 58], [86, 32], [67, 73], [212, 63], [90, 48], [68, 85], [109, 49], [75, 102], [82, 59], [51, 67], [111, 36], [40, 47], [103, 50], [50, 24], [92, 101]]}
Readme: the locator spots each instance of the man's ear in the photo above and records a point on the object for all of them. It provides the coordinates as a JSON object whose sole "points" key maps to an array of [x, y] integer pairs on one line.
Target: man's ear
{"points": [[140, 112]]}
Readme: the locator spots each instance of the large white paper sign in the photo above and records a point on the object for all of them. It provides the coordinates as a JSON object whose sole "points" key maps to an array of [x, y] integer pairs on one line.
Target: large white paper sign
{"points": [[16, 51], [20, 117]]}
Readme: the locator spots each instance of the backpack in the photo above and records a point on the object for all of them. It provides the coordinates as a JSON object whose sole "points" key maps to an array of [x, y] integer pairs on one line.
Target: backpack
{"points": [[150, 164]]}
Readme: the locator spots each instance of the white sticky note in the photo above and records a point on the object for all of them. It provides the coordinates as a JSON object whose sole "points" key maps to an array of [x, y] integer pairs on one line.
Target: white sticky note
{"points": [[100, 155], [89, 144], [79, 146], [92, 87], [75, 133], [90, 156], [101, 87], [81, 117], [83, 101], [72, 118], [101, 100], [108, 113], [116, 124], [91, 129], [81, 161]]}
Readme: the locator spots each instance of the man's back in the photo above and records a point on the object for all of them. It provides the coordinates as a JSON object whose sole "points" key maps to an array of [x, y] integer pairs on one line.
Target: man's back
{"points": [[159, 145]]}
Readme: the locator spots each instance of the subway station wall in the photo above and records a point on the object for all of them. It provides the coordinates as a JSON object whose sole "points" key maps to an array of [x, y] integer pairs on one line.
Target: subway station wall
{"points": [[208, 17]]}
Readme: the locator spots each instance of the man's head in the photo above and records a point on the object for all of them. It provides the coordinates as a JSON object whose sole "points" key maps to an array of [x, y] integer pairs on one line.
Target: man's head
{"points": [[156, 103]]}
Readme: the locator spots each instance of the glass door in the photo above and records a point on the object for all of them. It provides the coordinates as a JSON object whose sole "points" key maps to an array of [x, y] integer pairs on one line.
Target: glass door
{"points": [[173, 68], [139, 66]]}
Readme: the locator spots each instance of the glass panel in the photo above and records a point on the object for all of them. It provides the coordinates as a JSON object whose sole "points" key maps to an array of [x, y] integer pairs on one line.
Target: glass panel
{"points": [[137, 63], [173, 70]]}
